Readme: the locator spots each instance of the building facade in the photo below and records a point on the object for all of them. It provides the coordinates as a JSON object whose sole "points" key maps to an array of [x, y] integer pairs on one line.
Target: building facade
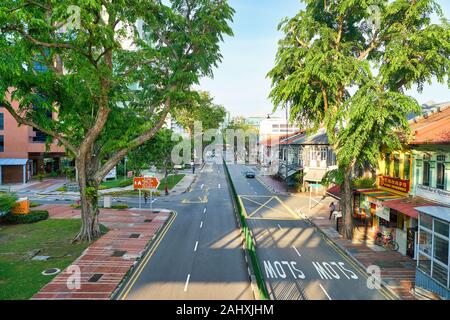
{"points": [[23, 150]]}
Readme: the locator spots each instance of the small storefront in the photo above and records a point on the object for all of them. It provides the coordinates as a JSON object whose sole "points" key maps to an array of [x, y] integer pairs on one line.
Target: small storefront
{"points": [[432, 272]]}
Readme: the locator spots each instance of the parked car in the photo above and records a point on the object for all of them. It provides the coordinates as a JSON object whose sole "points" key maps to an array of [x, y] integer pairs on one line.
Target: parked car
{"points": [[250, 174]]}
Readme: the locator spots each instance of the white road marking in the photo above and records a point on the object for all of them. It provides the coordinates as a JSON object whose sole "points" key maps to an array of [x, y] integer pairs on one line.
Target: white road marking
{"points": [[326, 293], [201, 224], [196, 245], [204, 210], [219, 185], [154, 200], [187, 282], [296, 251], [280, 227], [201, 187]]}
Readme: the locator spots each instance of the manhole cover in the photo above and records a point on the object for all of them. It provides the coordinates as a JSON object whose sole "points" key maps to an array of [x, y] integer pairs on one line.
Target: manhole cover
{"points": [[95, 277], [51, 272]]}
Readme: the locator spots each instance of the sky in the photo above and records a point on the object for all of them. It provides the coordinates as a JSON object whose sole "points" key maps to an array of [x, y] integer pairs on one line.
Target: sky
{"points": [[240, 83]]}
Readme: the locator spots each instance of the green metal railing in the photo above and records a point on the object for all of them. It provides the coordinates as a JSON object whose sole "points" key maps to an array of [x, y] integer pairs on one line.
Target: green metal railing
{"points": [[249, 241]]}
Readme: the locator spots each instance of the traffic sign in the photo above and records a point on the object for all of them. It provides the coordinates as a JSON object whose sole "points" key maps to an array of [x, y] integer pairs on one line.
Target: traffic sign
{"points": [[151, 183], [138, 183]]}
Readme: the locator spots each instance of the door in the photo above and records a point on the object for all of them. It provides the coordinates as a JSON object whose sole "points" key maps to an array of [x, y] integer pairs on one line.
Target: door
{"points": [[410, 241]]}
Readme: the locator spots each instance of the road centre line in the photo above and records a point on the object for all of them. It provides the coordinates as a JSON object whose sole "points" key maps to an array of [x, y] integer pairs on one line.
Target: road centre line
{"points": [[204, 210], [201, 224], [296, 251], [187, 283], [196, 245], [201, 187], [326, 293]]}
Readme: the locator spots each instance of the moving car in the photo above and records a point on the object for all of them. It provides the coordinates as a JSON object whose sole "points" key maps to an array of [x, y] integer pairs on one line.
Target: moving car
{"points": [[250, 174]]}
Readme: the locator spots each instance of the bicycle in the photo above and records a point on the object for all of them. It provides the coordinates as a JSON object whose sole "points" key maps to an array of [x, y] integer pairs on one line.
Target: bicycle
{"points": [[386, 241]]}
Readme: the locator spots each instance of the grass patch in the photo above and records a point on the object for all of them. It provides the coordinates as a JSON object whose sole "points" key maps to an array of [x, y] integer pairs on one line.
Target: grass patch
{"points": [[35, 204], [62, 189], [172, 181], [21, 278], [116, 184]]}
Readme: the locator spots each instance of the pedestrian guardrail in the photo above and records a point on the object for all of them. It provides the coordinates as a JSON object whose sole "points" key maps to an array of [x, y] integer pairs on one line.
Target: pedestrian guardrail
{"points": [[250, 242]]}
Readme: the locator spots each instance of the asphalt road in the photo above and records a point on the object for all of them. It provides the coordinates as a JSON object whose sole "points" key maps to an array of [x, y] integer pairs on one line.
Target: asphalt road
{"points": [[297, 261], [200, 256]]}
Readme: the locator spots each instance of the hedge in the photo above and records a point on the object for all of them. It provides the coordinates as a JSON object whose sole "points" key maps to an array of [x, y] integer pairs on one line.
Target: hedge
{"points": [[33, 216]]}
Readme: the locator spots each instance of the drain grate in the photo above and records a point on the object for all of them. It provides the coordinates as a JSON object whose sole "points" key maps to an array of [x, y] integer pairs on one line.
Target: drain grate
{"points": [[148, 220], [135, 236], [95, 277], [118, 253]]}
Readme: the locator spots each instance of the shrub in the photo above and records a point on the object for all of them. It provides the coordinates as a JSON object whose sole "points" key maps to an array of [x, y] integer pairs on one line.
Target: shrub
{"points": [[7, 202], [33, 216], [119, 206], [364, 183]]}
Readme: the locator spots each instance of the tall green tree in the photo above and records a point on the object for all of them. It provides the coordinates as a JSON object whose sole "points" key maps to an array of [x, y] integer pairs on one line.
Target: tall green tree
{"points": [[111, 70], [200, 108], [155, 152], [346, 65]]}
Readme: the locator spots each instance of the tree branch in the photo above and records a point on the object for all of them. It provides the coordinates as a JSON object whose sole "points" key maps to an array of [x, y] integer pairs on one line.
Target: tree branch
{"points": [[109, 165], [31, 123]]}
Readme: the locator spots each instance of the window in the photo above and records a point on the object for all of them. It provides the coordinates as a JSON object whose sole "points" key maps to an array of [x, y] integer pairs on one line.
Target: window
{"points": [[441, 228], [323, 153], [397, 166], [433, 248], [2, 143], [426, 173], [407, 167], [387, 171], [440, 173], [425, 239], [424, 264], [440, 249], [2, 121]]}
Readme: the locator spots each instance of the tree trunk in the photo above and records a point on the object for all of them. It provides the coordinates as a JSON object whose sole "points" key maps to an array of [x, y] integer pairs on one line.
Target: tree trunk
{"points": [[90, 228], [347, 203]]}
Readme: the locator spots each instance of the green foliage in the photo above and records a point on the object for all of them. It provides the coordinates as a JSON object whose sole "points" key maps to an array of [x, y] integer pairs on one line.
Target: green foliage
{"points": [[116, 184], [364, 183], [335, 176], [7, 202], [119, 206], [333, 68], [200, 107], [32, 217]]}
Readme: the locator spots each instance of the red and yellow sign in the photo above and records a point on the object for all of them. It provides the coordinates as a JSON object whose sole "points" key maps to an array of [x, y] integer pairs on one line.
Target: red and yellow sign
{"points": [[394, 184], [145, 183], [22, 207]]}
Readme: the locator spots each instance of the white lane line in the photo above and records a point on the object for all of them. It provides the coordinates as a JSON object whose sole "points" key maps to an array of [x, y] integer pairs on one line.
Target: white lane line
{"points": [[280, 227], [196, 245], [204, 210], [154, 200], [201, 187], [296, 251], [187, 282], [219, 185], [326, 293], [201, 224]]}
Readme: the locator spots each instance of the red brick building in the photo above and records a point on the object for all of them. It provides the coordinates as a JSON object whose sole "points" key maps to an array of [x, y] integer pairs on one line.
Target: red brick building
{"points": [[23, 151]]}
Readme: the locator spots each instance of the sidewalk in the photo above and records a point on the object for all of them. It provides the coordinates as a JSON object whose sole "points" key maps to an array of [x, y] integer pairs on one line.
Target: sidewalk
{"points": [[184, 184], [397, 271], [107, 261]]}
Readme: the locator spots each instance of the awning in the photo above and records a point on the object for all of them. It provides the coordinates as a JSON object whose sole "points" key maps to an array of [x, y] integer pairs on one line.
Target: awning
{"points": [[380, 195], [440, 212], [315, 175], [13, 162], [335, 192], [407, 205]]}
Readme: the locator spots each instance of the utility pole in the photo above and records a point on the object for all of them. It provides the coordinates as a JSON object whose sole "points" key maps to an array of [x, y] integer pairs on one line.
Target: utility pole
{"points": [[287, 147]]}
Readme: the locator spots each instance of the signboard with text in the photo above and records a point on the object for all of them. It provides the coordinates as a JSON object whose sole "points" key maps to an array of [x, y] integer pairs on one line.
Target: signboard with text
{"points": [[433, 194], [146, 183], [394, 184]]}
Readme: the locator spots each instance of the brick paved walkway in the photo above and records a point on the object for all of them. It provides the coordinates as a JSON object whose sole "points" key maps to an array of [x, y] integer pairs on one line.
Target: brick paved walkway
{"points": [[100, 258]]}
